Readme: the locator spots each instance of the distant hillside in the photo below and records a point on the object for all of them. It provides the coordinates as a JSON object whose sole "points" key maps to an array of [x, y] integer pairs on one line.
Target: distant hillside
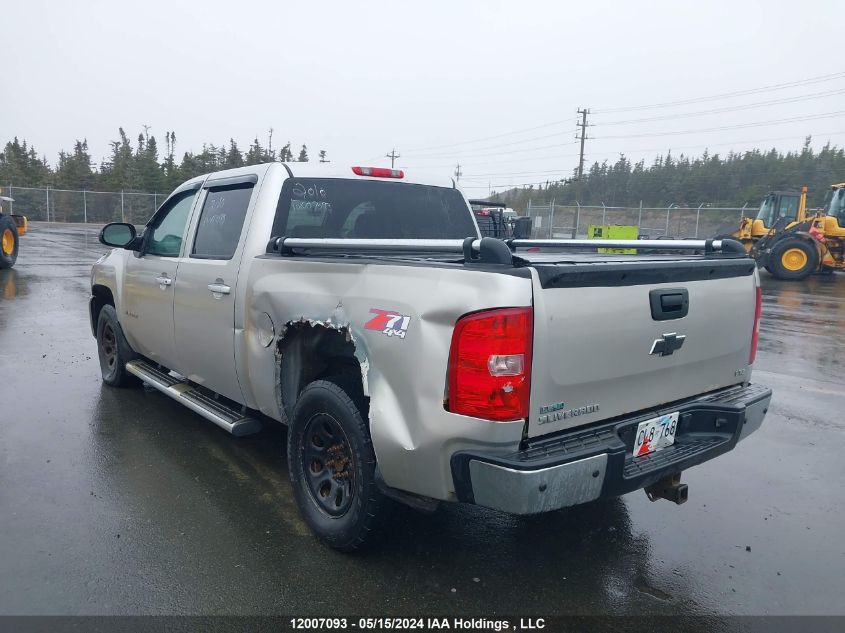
{"points": [[731, 181]]}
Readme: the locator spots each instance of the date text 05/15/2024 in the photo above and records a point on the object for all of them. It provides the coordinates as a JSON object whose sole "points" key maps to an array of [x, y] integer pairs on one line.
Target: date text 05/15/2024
{"points": [[419, 624]]}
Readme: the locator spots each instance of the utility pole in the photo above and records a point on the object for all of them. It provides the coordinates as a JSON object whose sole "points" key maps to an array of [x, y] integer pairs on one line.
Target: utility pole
{"points": [[458, 172], [392, 156], [581, 136]]}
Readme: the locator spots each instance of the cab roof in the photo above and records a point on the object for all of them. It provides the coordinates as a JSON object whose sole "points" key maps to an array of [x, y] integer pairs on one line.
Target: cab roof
{"points": [[336, 170], [321, 170]]}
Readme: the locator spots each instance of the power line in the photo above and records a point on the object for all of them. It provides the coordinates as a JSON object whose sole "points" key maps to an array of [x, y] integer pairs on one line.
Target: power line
{"points": [[812, 117], [627, 152], [512, 151], [490, 138], [727, 95], [519, 173], [747, 106], [762, 89], [476, 149]]}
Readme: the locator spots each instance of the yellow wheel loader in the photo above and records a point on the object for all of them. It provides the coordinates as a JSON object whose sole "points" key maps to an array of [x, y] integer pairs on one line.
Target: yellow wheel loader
{"points": [[794, 250], [11, 228], [776, 206]]}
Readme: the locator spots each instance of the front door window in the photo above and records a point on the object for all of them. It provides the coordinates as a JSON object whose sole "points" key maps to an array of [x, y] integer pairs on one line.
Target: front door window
{"points": [[166, 232]]}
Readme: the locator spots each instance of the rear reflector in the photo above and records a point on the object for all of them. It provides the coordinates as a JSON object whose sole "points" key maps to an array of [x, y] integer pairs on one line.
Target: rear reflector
{"points": [[378, 172], [489, 373], [755, 334]]}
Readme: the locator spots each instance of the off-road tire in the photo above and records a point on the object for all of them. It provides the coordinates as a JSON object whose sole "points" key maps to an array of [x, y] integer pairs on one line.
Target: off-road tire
{"points": [[352, 509], [8, 236], [113, 350], [778, 259]]}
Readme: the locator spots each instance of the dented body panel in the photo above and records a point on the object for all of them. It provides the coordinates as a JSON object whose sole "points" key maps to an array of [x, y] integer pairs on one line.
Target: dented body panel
{"points": [[413, 434]]}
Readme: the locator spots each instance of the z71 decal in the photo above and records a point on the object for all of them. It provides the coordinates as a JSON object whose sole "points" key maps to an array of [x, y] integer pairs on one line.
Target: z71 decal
{"points": [[388, 322]]}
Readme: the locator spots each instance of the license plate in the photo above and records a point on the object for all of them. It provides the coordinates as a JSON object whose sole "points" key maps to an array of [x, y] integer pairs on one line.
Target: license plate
{"points": [[654, 434]]}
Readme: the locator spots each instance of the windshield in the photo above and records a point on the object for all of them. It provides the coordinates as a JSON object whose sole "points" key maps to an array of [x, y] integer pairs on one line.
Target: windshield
{"points": [[337, 207], [835, 204], [767, 210], [776, 206]]}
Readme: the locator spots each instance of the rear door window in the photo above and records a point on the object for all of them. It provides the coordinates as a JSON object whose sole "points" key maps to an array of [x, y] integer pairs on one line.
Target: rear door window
{"points": [[337, 207], [221, 221]]}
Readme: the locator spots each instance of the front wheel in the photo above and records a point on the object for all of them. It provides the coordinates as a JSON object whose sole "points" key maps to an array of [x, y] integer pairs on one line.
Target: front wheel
{"points": [[332, 466], [8, 242], [793, 259], [113, 350]]}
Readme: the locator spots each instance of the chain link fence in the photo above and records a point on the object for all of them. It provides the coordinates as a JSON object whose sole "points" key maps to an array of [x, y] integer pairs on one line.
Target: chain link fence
{"points": [[550, 220], [46, 204]]}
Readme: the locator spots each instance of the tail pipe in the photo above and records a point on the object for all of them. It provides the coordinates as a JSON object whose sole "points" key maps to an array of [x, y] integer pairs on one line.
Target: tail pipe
{"points": [[669, 488]]}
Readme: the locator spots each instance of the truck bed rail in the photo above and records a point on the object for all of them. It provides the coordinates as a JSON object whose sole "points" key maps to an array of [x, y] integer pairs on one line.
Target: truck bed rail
{"points": [[488, 249]]}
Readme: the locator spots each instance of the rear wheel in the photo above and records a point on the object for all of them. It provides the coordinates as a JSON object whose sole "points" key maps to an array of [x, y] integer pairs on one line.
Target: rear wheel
{"points": [[8, 242], [793, 259], [332, 466]]}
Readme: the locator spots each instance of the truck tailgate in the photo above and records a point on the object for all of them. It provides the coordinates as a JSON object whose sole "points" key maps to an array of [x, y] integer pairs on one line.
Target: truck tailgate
{"points": [[597, 340]]}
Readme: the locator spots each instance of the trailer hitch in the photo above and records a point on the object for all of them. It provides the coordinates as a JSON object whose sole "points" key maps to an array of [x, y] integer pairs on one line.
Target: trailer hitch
{"points": [[669, 488]]}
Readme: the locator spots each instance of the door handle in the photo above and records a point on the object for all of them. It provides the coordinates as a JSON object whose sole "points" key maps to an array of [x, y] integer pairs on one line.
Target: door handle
{"points": [[163, 281], [219, 288]]}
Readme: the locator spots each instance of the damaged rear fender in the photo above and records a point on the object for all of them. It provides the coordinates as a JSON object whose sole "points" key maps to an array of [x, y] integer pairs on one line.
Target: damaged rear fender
{"points": [[309, 349]]}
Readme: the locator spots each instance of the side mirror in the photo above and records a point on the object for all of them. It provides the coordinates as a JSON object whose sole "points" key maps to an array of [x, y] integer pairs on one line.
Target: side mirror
{"points": [[117, 234]]}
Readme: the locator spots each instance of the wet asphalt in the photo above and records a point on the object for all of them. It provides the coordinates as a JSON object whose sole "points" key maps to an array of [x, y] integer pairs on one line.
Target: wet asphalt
{"points": [[124, 502]]}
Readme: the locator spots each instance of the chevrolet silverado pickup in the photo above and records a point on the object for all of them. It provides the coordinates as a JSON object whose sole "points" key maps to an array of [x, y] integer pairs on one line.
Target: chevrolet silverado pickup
{"points": [[413, 360]]}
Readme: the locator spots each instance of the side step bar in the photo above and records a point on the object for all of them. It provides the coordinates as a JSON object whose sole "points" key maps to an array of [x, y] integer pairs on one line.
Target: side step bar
{"points": [[223, 415]]}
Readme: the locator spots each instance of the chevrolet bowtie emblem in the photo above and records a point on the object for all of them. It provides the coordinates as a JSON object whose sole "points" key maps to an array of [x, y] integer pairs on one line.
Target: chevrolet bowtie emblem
{"points": [[668, 345]]}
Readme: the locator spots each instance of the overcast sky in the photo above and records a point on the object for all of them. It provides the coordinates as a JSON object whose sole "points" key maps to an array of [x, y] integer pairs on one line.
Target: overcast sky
{"points": [[442, 82]]}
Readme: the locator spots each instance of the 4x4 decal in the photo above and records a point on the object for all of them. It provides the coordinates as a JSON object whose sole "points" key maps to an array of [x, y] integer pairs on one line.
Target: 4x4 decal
{"points": [[388, 322]]}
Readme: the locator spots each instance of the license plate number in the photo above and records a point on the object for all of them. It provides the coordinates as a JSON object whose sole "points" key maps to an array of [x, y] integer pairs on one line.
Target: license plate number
{"points": [[654, 434]]}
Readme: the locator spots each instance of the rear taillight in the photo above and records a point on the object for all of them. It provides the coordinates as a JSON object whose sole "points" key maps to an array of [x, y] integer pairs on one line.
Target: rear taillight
{"points": [[755, 334], [489, 373], [378, 172]]}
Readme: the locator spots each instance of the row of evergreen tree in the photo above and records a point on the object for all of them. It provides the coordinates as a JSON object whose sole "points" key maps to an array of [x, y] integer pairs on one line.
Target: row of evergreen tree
{"points": [[730, 181], [132, 168]]}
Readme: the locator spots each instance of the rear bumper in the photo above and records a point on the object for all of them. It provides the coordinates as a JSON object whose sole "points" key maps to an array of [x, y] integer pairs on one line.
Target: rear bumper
{"points": [[583, 464]]}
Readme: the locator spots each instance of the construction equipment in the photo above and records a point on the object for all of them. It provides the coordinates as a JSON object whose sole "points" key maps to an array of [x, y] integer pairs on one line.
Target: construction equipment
{"points": [[11, 228], [794, 250], [776, 206]]}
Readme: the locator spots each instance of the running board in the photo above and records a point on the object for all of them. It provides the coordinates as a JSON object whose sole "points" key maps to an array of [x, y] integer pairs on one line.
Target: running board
{"points": [[223, 415]]}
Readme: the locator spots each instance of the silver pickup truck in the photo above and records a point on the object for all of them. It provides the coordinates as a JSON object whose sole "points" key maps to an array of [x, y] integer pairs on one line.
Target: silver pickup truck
{"points": [[413, 360]]}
